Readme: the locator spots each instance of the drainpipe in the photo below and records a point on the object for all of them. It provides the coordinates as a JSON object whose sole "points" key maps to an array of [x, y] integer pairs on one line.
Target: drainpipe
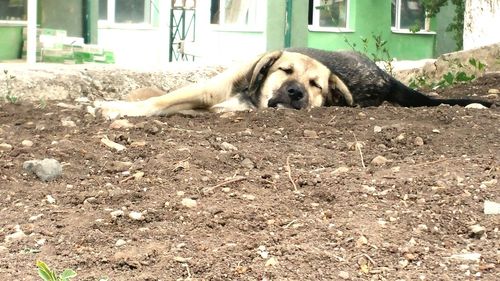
{"points": [[288, 24], [90, 17]]}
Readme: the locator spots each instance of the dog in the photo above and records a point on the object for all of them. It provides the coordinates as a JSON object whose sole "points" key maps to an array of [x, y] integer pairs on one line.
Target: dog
{"points": [[297, 78]]}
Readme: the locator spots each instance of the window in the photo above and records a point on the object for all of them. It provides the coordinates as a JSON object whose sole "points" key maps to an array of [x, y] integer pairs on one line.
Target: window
{"points": [[125, 11], [407, 14], [14, 10], [235, 12], [329, 14]]}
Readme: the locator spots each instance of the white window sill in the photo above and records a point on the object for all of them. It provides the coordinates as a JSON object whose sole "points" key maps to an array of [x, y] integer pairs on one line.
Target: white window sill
{"points": [[330, 29], [236, 28], [13, 23], [407, 31]]}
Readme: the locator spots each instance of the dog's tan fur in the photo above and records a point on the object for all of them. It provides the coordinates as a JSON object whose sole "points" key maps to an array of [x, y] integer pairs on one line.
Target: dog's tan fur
{"points": [[225, 92]]}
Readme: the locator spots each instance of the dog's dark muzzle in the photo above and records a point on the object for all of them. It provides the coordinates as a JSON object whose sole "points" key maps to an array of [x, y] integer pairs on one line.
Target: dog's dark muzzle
{"points": [[291, 94]]}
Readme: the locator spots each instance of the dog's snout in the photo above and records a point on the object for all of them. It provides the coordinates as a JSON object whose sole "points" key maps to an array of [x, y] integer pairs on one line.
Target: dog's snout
{"points": [[295, 92]]}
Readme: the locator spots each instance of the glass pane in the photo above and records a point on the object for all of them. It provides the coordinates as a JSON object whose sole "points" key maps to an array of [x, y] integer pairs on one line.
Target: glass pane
{"points": [[13, 9], [412, 14], [103, 9], [215, 12], [333, 13], [130, 11], [241, 12]]}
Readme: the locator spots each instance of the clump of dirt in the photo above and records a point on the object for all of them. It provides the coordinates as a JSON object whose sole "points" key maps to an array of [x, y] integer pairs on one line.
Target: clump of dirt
{"points": [[263, 195]]}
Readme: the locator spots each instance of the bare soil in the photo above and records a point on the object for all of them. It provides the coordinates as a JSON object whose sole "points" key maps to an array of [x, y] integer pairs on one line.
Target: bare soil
{"points": [[273, 206]]}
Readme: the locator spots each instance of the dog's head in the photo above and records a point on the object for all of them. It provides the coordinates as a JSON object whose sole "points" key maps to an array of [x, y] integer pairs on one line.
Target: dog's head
{"points": [[292, 80]]}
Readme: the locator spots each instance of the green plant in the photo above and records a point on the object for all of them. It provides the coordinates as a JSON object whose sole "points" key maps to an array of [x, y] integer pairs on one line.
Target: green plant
{"points": [[8, 95], [50, 275], [457, 25], [381, 53]]}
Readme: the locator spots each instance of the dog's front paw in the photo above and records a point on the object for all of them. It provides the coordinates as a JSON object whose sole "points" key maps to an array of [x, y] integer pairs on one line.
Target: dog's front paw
{"points": [[109, 110]]}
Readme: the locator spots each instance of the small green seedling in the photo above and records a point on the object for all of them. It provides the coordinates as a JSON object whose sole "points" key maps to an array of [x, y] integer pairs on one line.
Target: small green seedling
{"points": [[49, 275]]}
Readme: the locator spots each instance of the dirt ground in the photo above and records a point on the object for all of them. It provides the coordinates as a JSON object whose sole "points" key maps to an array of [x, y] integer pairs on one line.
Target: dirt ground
{"points": [[265, 195]]}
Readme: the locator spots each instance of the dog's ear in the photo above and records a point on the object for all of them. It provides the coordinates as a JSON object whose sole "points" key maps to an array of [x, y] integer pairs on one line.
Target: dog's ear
{"points": [[257, 74], [338, 92]]}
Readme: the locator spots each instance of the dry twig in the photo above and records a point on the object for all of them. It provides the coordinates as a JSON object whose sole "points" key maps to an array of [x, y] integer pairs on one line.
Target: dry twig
{"points": [[289, 173], [358, 147]]}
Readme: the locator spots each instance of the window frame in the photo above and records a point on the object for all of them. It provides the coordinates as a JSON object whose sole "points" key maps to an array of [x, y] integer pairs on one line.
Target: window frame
{"points": [[315, 26], [396, 28], [16, 22], [110, 22], [258, 26]]}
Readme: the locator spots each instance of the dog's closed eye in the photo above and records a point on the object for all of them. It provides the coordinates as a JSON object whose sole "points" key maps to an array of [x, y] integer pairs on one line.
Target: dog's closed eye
{"points": [[287, 70], [315, 84]]}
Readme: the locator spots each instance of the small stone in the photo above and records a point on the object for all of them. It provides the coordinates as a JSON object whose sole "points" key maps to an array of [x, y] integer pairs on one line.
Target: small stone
{"points": [[475, 106], [272, 262], [403, 263], [491, 208], [138, 144], [121, 124], [3, 250], [181, 259], [138, 175], [418, 141], [310, 134], [67, 122], [46, 169], [369, 189], [490, 183], [189, 203], [247, 163], [226, 189], [475, 257], [116, 214], [476, 231], [344, 275], [494, 91], [137, 216], [248, 197], [228, 147], [436, 131], [400, 138], [362, 240], [51, 199], [377, 129], [27, 143], [35, 218], [379, 161], [18, 234], [340, 170], [118, 166], [120, 242], [5, 146]]}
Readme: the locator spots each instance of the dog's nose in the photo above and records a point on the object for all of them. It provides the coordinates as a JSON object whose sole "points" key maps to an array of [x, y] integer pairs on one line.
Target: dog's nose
{"points": [[294, 92]]}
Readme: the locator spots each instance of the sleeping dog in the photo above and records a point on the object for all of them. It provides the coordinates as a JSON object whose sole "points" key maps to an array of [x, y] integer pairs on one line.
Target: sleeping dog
{"points": [[295, 78]]}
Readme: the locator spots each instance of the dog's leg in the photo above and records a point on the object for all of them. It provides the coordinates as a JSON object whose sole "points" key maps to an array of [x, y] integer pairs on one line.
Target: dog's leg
{"points": [[338, 84]]}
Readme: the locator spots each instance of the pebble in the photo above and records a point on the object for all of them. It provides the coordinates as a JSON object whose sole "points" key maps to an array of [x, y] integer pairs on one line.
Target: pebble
{"points": [[310, 134], [400, 138], [494, 91], [476, 231], [5, 146], [120, 242], [46, 169], [344, 275], [491, 208], [227, 146], [189, 203], [118, 166], [137, 216], [362, 240], [3, 250], [121, 124], [379, 160], [51, 199], [436, 131], [369, 189], [466, 257], [247, 163], [340, 170], [418, 141], [475, 106], [377, 129], [272, 262], [248, 197], [68, 123], [490, 183], [116, 214], [27, 143], [18, 234], [35, 218]]}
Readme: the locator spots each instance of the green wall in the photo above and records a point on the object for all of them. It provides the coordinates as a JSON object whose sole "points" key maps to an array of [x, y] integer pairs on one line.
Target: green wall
{"points": [[11, 43], [276, 22], [368, 18]]}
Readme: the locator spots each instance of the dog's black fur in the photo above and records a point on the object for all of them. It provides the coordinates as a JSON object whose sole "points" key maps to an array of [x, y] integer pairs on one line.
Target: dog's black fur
{"points": [[370, 85]]}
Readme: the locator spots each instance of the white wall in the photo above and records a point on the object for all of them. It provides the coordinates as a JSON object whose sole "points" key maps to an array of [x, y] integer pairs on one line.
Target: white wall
{"points": [[481, 23]]}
